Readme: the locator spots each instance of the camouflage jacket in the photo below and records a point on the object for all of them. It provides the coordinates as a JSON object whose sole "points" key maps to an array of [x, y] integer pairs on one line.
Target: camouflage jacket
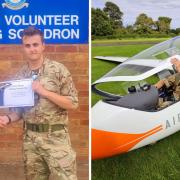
{"points": [[174, 81], [56, 78]]}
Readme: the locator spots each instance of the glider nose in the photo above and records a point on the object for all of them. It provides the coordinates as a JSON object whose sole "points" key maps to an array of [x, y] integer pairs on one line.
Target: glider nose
{"points": [[105, 144], [98, 144]]}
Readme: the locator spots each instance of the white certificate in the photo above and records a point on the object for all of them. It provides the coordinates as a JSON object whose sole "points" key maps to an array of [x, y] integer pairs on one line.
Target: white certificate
{"points": [[16, 93]]}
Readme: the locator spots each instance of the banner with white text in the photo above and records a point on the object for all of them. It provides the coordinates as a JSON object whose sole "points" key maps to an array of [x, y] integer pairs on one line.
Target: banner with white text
{"points": [[64, 22]]}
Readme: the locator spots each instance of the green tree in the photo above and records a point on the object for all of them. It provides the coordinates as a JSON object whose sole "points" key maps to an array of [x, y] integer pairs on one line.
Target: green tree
{"points": [[177, 31], [114, 13], [130, 29], [144, 24], [101, 25], [163, 24]]}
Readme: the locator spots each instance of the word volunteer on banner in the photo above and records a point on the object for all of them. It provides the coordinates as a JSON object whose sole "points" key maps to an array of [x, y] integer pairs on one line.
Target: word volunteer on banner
{"points": [[60, 21]]}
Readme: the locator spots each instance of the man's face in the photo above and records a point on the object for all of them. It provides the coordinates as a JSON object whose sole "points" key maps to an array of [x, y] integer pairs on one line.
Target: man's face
{"points": [[33, 47], [176, 62]]}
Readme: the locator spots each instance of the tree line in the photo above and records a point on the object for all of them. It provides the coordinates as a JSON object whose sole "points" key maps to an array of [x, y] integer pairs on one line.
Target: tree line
{"points": [[107, 23]]}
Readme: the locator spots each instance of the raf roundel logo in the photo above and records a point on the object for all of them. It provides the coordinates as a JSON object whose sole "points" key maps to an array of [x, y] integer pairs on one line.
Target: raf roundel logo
{"points": [[15, 4]]}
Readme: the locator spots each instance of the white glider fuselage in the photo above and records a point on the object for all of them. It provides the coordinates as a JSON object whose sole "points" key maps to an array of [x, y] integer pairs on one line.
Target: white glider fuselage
{"points": [[124, 129], [119, 126]]}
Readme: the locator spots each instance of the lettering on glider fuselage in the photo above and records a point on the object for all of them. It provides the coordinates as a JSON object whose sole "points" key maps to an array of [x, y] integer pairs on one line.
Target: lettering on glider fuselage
{"points": [[173, 121]]}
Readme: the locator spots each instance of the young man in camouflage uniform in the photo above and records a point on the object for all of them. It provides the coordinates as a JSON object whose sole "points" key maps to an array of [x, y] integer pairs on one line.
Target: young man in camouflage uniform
{"points": [[172, 81], [47, 148]]}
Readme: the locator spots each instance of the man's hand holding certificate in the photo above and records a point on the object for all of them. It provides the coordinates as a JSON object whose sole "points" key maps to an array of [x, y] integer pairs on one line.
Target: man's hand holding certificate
{"points": [[17, 93]]}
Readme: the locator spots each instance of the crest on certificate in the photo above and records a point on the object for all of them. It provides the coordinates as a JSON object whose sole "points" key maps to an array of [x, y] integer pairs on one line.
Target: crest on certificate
{"points": [[15, 4]]}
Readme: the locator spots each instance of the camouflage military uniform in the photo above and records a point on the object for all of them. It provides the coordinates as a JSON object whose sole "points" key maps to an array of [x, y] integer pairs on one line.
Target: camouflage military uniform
{"points": [[174, 82], [48, 152]]}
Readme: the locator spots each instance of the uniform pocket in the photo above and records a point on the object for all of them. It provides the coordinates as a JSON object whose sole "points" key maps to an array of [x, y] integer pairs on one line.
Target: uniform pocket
{"points": [[50, 84], [60, 137]]}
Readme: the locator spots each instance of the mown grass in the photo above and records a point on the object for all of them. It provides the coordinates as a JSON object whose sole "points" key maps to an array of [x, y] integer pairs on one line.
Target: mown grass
{"points": [[106, 41], [158, 162]]}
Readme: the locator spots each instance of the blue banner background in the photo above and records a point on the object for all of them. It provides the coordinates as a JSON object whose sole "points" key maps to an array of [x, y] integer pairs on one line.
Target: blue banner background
{"points": [[48, 7]]}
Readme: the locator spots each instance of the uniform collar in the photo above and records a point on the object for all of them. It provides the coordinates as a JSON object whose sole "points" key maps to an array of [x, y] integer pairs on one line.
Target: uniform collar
{"points": [[41, 69]]}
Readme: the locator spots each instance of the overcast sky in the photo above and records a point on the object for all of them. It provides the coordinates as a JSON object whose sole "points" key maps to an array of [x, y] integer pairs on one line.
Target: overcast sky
{"points": [[153, 8]]}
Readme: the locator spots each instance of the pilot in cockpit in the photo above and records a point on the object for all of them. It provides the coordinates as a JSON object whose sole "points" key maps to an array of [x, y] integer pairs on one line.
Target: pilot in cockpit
{"points": [[172, 84]]}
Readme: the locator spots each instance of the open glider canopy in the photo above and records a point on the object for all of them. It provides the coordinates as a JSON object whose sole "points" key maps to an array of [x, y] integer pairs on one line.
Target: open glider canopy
{"points": [[154, 61]]}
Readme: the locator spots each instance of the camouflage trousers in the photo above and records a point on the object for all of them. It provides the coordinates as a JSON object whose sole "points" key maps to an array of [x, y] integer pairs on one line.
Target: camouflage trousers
{"points": [[49, 156]]}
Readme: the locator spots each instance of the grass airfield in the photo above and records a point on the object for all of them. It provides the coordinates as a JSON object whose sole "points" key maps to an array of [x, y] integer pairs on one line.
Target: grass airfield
{"points": [[160, 161]]}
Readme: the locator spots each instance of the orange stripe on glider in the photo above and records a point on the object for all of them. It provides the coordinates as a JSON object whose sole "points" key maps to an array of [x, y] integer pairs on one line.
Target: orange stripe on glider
{"points": [[106, 143]]}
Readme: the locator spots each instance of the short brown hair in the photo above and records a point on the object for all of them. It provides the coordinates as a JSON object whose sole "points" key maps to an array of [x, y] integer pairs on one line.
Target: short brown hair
{"points": [[31, 31]]}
